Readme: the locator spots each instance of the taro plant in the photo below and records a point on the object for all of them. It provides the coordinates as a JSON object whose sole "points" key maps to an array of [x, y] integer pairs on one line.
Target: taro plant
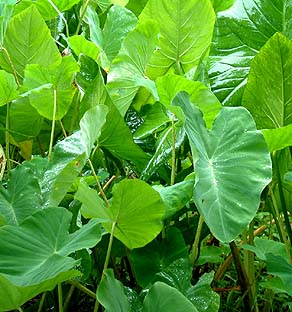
{"points": [[145, 155]]}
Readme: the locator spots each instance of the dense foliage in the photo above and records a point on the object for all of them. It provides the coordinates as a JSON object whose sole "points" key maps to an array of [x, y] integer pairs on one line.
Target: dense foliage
{"points": [[145, 155]]}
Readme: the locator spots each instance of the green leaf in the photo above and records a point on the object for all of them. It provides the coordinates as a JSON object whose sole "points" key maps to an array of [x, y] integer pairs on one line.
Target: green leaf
{"points": [[92, 205], [169, 85], [281, 268], [240, 32], [22, 197], [186, 29], [270, 75], [111, 294], [70, 155], [220, 5], [8, 87], [42, 82], [20, 112], [6, 10], [80, 45], [163, 150], [43, 244], [178, 275], [229, 176], [157, 256], [118, 23], [163, 298], [278, 138], [12, 296], [264, 246], [136, 212], [155, 118], [28, 41], [128, 70], [176, 196], [210, 254], [45, 8], [115, 136]]}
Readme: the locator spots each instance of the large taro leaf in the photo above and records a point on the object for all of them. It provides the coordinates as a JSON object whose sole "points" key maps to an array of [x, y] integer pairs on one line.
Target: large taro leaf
{"points": [[115, 136], [232, 169], [49, 84], [118, 23], [135, 213], [35, 253], [128, 71], [186, 28], [6, 10], [164, 298], [8, 87], [28, 41], [69, 157], [169, 85], [21, 198], [178, 275], [268, 94], [45, 7], [239, 34]]}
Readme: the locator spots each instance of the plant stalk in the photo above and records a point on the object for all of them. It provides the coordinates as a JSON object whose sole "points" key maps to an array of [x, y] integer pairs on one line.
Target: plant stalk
{"points": [[98, 183], [53, 126], [68, 298], [82, 288], [42, 301], [242, 279], [11, 65], [282, 198], [108, 253], [7, 140], [195, 247], [83, 11], [60, 297], [173, 166]]}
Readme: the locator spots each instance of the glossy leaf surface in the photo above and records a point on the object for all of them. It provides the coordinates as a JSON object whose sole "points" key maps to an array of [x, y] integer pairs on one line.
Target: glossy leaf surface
{"points": [[239, 34], [230, 176], [22, 196]]}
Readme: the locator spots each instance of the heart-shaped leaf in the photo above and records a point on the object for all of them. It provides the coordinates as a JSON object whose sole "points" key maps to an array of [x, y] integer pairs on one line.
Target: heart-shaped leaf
{"points": [[136, 211], [233, 167]]}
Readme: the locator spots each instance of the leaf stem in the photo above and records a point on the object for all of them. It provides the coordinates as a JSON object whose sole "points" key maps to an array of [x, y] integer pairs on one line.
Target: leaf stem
{"points": [[83, 11], [42, 301], [60, 297], [98, 183], [62, 17], [53, 125], [106, 262], [68, 298], [242, 278], [282, 198], [7, 140], [195, 247], [11, 65], [173, 167], [82, 288]]}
